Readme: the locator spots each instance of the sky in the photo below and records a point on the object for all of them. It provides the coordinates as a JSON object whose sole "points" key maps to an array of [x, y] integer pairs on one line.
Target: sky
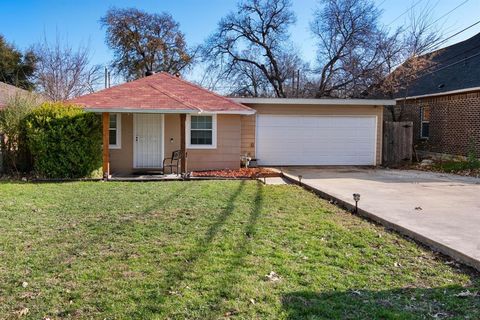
{"points": [[25, 22]]}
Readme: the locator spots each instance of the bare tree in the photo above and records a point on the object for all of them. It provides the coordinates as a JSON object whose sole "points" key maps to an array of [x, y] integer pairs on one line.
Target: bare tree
{"points": [[63, 72], [408, 55], [252, 44], [348, 36], [356, 55], [144, 43], [248, 81]]}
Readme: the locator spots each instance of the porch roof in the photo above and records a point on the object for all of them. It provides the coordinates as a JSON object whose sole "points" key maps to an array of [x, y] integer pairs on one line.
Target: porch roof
{"points": [[162, 93]]}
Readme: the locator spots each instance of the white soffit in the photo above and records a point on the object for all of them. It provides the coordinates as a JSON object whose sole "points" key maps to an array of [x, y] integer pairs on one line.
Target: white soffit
{"points": [[331, 102]]}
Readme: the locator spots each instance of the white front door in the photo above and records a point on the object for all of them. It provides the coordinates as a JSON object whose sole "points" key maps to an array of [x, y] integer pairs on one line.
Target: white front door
{"points": [[147, 140], [316, 140]]}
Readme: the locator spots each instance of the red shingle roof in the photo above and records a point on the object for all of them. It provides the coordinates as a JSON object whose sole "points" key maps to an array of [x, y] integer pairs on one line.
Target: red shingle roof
{"points": [[160, 91]]}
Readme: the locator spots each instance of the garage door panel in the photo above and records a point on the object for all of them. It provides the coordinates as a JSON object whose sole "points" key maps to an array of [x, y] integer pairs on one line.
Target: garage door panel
{"points": [[315, 140]]}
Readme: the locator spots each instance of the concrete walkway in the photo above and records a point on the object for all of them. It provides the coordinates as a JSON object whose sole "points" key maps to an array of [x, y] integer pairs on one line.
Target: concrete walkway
{"points": [[440, 210]]}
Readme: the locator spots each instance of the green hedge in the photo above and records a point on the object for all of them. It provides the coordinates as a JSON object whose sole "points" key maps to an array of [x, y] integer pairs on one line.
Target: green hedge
{"points": [[65, 141]]}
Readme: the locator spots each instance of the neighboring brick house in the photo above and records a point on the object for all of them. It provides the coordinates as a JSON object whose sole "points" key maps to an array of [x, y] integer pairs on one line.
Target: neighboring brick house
{"points": [[444, 103]]}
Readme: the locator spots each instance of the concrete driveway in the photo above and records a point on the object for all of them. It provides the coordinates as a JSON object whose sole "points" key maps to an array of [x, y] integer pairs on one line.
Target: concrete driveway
{"points": [[440, 210]]}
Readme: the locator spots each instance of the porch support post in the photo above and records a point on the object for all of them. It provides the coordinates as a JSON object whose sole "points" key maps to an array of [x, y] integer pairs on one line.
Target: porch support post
{"points": [[183, 163], [106, 143]]}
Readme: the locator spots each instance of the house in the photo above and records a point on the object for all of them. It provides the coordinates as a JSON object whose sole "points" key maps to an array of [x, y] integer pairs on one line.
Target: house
{"points": [[444, 102], [146, 119]]}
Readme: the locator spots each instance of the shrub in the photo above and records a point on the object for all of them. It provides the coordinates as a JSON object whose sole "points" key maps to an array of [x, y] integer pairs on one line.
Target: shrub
{"points": [[65, 141], [472, 160], [13, 145]]}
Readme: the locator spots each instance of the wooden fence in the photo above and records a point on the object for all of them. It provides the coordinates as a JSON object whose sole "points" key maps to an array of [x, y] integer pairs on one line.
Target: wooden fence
{"points": [[397, 143]]}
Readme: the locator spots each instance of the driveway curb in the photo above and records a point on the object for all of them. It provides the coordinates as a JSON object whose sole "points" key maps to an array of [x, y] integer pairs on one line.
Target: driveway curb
{"points": [[435, 245]]}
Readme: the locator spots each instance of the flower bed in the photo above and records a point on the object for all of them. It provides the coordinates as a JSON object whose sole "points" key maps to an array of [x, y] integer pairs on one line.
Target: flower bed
{"points": [[251, 173]]}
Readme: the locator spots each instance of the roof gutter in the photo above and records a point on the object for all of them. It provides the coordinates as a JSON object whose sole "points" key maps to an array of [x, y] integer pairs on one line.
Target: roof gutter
{"points": [[166, 111], [438, 94], [137, 110], [331, 102], [243, 112]]}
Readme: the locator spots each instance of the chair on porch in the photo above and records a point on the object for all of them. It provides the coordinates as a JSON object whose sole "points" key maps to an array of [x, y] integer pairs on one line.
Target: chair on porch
{"points": [[173, 161]]}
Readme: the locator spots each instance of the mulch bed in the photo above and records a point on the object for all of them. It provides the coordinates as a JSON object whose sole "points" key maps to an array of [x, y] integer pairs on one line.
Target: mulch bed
{"points": [[251, 173]]}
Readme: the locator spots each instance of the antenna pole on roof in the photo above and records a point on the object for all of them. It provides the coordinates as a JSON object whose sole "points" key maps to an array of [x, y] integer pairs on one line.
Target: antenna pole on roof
{"points": [[109, 79], [106, 81], [298, 81], [293, 83]]}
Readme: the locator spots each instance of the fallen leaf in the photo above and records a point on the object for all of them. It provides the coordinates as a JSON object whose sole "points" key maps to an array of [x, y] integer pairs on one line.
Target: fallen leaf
{"points": [[23, 312], [356, 292], [465, 294], [231, 313], [272, 276]]}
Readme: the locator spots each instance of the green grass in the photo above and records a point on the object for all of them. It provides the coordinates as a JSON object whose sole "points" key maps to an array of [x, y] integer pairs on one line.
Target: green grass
{"points": [[201, 250], [456, 166]]}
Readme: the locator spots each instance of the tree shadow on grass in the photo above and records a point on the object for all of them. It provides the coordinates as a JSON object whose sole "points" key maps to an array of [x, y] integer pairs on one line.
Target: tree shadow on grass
{"points": [[160, 292], [451, 302], [231, 275]]}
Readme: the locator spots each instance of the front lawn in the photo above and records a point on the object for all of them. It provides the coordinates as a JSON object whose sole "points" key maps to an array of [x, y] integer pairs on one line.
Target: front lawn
{"points": [[202, 250]]}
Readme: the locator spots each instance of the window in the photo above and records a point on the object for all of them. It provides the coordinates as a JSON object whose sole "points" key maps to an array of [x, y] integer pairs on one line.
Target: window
{"points": [[201, 132], [115, 131], [425, 122]]}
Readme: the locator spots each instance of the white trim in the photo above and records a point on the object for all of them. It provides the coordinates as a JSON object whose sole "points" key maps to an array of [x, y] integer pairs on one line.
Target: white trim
{"points": [[163, 139], [439, 94], [118, 131], [214, 132], [245, 112], [256, 134], [326, 102], [134, 128], [185, 111], [376, 142], [138, 110], [325, 115]]}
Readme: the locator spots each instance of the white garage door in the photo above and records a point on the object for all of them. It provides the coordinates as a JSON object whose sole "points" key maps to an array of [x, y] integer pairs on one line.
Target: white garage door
{"points": [[316, 140]]}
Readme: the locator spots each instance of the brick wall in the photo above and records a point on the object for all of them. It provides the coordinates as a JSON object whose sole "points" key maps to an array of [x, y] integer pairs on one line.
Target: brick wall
{"points": [[454, 122]]}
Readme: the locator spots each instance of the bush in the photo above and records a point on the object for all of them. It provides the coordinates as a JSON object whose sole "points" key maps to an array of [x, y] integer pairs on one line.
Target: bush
{"points": [[15, 153], [65, 141], [472, 160]]}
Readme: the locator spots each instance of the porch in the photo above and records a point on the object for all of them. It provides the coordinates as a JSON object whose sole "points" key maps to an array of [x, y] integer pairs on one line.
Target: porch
{"points": [[136, 144]]}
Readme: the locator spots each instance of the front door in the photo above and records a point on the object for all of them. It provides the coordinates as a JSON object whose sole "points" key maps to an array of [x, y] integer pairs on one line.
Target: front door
{"points": [[147, 140]]}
